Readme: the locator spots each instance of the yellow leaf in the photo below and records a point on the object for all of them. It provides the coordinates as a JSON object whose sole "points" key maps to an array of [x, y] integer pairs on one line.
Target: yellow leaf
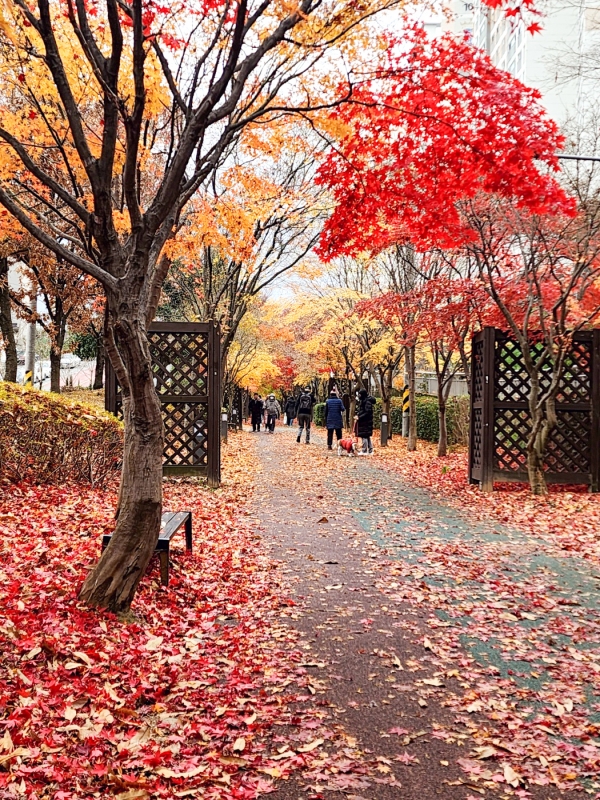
{"points": [[306, 748], [510, 776], [239, 745], [486, 752], [83, 657], [274, 772]]}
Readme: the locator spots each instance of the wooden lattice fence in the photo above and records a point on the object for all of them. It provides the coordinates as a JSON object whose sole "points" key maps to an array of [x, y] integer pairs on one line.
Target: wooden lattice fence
{"points": [[187, 377], [500, 418]]}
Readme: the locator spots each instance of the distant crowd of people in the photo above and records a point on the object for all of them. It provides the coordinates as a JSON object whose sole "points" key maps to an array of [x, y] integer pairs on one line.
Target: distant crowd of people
{"points": [[266, 412]]}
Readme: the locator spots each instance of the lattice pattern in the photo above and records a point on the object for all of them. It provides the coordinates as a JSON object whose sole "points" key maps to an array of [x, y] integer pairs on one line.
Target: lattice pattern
{"points": [[511, 381], [477, 377], [179, 362], [576, 383], [569, 445], [476, 449], [510, 440], [186, 432]]}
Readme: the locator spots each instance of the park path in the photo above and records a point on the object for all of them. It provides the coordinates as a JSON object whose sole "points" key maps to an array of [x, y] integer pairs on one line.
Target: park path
{"points": [[406, 607]]}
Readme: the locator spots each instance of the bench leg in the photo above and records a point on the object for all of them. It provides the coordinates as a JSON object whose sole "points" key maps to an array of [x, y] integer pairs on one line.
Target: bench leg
{"points": [[164, 567], [188, 533]]}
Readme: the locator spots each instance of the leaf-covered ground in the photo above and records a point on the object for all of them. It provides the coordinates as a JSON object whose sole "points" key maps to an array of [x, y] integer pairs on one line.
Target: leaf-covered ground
{"points": [[414, 638], [475, 617], [192, 696]]}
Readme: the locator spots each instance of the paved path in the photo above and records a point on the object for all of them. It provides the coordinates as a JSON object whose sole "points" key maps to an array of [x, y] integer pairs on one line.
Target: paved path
{"points": [[394, 590]]}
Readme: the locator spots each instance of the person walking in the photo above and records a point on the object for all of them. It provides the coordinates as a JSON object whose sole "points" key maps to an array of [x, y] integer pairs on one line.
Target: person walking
{"points": [[255, 407], [290, 410], [364, 421], [273, 412], [334, 418], [304, 411]]}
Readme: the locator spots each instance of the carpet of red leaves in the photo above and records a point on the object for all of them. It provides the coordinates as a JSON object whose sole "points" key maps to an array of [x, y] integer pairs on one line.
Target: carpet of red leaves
{"points": [[196, 694], [522, 643], [568, 515]]}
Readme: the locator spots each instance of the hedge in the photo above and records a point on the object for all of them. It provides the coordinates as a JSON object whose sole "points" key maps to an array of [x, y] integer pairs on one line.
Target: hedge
{"points": [[457, 417], [45, 438]]}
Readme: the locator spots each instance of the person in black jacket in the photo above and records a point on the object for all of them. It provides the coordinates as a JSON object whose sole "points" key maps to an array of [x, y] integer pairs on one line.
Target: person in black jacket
{"points": [[255, 407], [364, 421], [290, 409], [304, 409]]}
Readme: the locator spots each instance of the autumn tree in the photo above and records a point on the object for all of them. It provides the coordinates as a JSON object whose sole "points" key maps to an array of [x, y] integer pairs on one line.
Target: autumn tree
{"points": [[250, 362], [252, 225], [442, 124], [66, 294], [88, 338], [452, 308], [543, 274], [115, 115]]}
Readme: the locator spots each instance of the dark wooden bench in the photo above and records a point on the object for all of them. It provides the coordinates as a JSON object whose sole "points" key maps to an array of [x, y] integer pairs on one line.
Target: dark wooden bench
{"points": [[170, 523]]}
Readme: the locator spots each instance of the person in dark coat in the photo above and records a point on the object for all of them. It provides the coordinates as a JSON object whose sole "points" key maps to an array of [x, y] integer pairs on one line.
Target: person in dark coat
{"points": [[334, 418], [255, 407], [304, 411], [290, 409], [364, 421]]}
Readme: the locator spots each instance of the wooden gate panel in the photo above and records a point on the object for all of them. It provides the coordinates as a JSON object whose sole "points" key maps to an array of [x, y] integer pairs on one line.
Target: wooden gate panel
{"points": [[500, 454], [186, 369]]}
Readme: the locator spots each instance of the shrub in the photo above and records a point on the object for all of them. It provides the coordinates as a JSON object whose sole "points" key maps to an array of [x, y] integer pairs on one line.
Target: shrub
{"points": [[45, 438], [319, 414]]}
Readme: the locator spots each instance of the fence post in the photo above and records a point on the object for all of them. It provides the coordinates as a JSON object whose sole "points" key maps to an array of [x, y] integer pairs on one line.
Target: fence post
{"points": [[487, 443], [405, 407], [214, 407], [384, 430], [595, 437]]}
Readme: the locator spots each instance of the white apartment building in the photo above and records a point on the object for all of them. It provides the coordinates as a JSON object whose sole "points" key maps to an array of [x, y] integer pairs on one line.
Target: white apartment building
{"points": [[559, 61]]}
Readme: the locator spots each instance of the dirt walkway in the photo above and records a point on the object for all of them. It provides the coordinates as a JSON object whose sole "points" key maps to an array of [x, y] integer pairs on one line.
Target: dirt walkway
{"points": [[340, 528]]}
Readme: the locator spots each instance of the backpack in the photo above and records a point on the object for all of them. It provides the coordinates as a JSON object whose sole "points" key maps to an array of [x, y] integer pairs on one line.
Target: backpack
{"points": [[305, 403]]}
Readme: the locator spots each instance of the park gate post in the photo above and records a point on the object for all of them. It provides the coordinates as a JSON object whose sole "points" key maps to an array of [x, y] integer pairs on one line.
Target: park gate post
{"points": [[499, 421], [186, 362]]}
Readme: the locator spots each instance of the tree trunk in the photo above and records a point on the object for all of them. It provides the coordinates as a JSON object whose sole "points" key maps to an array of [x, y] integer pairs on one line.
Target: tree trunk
{"points": [[112, 583], [535, 470], [389, 386], [443, 434], [412, 398], [55, 356], [100, 359], [352, 409], [6, 326], [56, 348]]}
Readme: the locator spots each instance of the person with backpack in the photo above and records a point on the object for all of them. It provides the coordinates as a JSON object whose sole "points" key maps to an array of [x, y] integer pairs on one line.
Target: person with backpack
{"points": [[273, 412], [304, 409], [290, 409], [255, 407], [334, 418], [364, 421]]}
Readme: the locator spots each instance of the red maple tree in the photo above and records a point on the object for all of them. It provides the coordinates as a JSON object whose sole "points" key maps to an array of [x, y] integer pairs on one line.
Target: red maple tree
{"points": [[437, 124]]}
